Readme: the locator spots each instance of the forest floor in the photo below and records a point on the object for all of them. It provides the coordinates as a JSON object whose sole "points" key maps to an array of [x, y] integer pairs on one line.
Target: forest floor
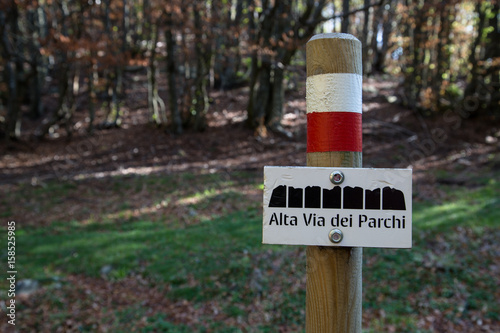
{"points": [[392, 135], [447, 154]]}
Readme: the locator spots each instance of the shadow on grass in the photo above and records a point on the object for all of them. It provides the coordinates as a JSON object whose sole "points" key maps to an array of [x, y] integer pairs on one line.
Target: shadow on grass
{"points": [[468, 208], [445, 282]]}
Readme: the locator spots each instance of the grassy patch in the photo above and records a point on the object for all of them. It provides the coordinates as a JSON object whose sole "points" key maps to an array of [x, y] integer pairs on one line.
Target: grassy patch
{"points": [[211, 260], [465, 207], [159, 323], [166, 251], [448, 272]]}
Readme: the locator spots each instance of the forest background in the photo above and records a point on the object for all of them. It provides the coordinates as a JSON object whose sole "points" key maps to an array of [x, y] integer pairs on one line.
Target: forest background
{"points": [[133, 135], [59, 58]]}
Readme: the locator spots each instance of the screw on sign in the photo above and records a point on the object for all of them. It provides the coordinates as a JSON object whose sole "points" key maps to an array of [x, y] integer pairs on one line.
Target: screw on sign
{"points": [[336, 235], [337, 177]]}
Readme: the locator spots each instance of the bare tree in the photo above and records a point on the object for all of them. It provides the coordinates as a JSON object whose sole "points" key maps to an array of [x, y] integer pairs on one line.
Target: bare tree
{"points": [[279, 29], [14, 73], [172, 71]]}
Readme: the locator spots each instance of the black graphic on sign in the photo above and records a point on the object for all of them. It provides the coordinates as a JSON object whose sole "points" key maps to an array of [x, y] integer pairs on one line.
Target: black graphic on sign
{"points": [[353, 197], [295, 197], [278, 198], [372, 199], [315, 197], [393, 199], [332, 198]]}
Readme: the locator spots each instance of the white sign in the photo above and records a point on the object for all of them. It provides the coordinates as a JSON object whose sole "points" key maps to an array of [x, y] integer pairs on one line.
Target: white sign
{"points": [[357, 208]]}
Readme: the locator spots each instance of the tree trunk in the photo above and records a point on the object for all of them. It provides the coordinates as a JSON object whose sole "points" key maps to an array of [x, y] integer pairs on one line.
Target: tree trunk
{"points": [[275, 113], [62, 112], [344, 26], [228, 59], [262, 93], [472, 84], [119, 69], [386, 34], [35, 65], [13, 68], [13, 128], [413, 79], [443, 54], [156, 105], [492, 50], [171, 75], [278, 41], [92, 94], [364, 37], [261, 87], [254, 71], [482, 91], [203, 55]]}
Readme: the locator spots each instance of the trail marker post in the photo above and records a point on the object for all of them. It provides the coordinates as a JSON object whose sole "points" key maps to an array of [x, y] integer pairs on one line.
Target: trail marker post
{"points": [[333, 205]]}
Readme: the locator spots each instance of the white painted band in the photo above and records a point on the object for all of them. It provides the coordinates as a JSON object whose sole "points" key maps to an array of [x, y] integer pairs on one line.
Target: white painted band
{"points": [[334, 92]]}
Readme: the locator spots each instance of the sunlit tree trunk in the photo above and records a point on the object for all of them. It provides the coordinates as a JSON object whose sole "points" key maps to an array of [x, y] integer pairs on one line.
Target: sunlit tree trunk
{"points": [[492, 51], [92, 78], [156, 104], [203, 54], [388, 20]]}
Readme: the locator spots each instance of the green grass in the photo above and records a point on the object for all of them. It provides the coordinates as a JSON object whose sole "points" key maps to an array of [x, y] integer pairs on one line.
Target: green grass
{"points": [[447, 270], [465, 207], [172, 254], [221, 259]]}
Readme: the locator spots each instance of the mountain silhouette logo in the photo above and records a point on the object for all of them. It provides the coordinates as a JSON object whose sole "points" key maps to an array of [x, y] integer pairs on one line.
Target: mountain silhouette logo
{"points": [[338, 197]]}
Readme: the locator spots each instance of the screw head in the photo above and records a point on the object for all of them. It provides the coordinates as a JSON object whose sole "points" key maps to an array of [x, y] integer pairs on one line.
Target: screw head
{"points": [[337, 177], [336, 236]]}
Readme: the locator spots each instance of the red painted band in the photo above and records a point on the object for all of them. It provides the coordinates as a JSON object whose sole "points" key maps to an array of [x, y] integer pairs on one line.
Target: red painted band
{"points": [[334, 131]]}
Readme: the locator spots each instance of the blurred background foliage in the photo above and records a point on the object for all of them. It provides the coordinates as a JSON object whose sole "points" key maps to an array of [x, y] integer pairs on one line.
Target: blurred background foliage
{"points": [[59, 57]]}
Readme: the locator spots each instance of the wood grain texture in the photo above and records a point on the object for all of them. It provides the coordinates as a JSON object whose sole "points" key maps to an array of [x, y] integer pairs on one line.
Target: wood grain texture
{"points": [[333, 53], [334, 289], [347, 159], [334, 277]]}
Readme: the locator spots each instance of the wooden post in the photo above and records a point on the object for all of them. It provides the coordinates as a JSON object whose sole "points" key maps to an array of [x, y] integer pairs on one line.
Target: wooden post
{"points": [[334, 78]]}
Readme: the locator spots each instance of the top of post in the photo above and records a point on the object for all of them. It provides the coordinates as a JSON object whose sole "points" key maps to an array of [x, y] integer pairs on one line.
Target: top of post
{"points": [[338, 35], [333, 53]]}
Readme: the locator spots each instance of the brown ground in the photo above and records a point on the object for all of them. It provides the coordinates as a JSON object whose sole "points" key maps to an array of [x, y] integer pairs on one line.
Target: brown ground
{"points": [[393, 137]]}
